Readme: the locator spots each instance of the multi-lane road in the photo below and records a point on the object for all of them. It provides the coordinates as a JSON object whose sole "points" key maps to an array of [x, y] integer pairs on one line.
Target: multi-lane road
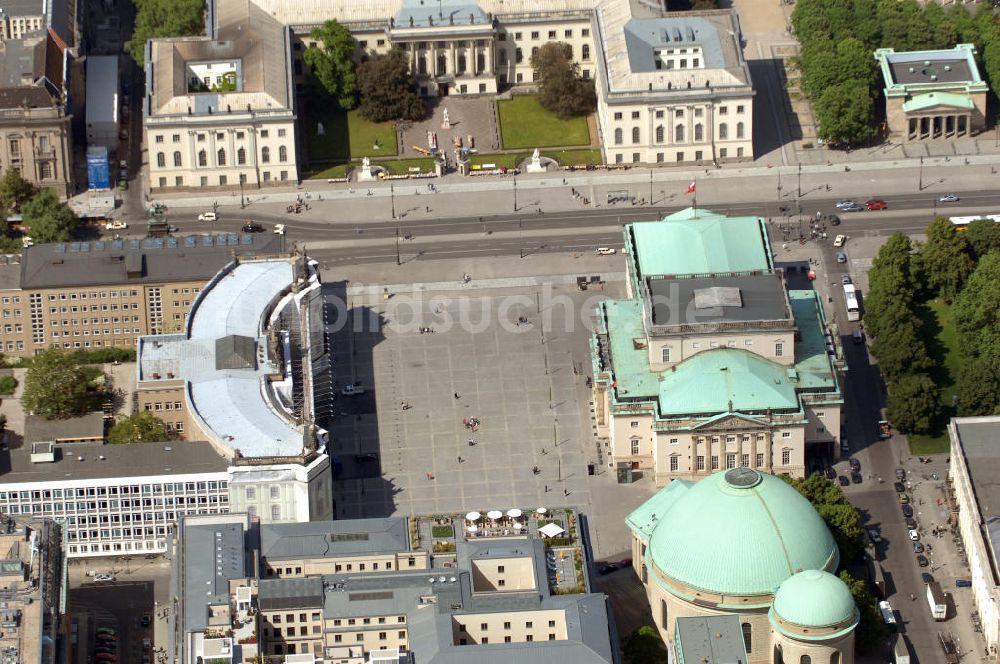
{"points": [[332, 241]]}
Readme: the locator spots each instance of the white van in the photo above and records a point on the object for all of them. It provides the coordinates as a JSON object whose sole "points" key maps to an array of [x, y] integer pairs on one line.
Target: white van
{"points": [[208, 216]]}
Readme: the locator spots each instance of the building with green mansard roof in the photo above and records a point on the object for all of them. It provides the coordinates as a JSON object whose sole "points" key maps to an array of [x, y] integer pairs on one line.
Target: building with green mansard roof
{"points": [[712, 362], [745, 545], [933, 95]]}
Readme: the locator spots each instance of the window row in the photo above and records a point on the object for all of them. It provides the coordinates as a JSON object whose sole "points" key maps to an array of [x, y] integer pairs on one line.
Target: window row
{"points": [[679, 133], [221, 157]]}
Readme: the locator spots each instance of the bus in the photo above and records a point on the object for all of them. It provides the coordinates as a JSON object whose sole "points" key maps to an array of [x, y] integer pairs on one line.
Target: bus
{"points": [[961, 222], [851, 298]]}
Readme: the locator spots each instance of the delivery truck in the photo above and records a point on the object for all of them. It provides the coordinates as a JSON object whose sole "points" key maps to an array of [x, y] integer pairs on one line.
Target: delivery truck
{"points": [[935, 600], [900, 653]]}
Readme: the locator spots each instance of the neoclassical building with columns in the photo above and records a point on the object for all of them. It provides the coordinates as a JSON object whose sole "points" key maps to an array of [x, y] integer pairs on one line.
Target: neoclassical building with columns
{"points": [[744, 543], [711, 362], [933, 95]]}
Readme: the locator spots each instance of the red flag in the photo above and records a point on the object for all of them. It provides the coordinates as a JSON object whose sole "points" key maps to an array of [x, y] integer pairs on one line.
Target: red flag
{"points": [[691, 187]]}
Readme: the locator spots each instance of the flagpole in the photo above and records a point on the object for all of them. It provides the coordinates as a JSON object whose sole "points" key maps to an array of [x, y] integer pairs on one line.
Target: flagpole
{"points": [[694, 200]]}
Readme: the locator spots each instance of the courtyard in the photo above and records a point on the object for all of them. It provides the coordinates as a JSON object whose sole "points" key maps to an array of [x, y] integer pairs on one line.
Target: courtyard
{"points": [[489, 410]]}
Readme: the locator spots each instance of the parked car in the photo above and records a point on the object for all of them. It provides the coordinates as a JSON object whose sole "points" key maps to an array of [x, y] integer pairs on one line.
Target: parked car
{"points": [[900, 474], [855, 464], [907, 510], [949, 198], [963, 583], [834, 220], [252, 227], [903, 498], [831, 473], [844, 481], [845, 279], [899, 487], [145, 620], [605, 251], [874, 535], [208, 216], [279, 229], [606, 568], [116, 225], [856, 478], [910, 522], [918, 547], [352, 390], [844, 445], [103, 578], [914, 534], [876, 204], [922, 561], [839, 240], [927, 577], [841, 257]]}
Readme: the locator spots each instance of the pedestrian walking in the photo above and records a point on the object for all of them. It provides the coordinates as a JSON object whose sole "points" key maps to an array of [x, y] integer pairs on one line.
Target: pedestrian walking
{"points": [[427, 207], [460, 459], [456, 395], [565, 492]]}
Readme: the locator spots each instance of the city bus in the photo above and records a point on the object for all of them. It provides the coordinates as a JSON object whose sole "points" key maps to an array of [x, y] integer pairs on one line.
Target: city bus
{"points": [[961, 222], [851, 298]]}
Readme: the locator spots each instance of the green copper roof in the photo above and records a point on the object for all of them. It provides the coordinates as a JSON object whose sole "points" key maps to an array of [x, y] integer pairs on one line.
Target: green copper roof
{"points": [[700, 242], [726, 379], [814, 599], [644, 519], [812, 362], [932, 99], [739, 532], [631, 364]]}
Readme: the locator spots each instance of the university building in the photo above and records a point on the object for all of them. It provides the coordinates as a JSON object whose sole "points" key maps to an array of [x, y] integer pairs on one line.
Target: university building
{"points": [[712, 362], [108, 293], [671, 88]]}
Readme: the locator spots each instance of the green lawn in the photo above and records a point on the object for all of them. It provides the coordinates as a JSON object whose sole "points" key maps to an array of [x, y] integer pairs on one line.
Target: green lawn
{"points": [[525, 124], [944, 350], [347, 136], [442, 531], [575, 157], [498, 159]]}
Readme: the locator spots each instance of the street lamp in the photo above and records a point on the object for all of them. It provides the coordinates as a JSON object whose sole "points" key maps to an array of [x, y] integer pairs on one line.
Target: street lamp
{"points": [[800, 180], [392, 200], [650, 186], [515, 192], [243, 202], [398, 261], [520, 236], [920, 182]]}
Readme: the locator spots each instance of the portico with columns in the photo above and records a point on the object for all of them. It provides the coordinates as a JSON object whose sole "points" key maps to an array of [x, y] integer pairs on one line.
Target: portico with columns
{"points": [[933, 95]]}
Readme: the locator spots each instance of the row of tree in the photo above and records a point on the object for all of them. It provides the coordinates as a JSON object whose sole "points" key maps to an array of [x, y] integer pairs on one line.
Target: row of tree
{"points": [[962, 269], [844, 523], [164, 18], [49, 219], [839, 73]]}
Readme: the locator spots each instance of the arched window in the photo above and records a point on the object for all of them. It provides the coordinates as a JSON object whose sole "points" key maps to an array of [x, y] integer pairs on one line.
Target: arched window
{"points": [[739, 130], [618, 136], [177, 158], [422, 64], [659, 134], [202, 158], [723, 131], [442, 64], [161, 159], [805, 659], [586, 51], [699, 132], [282, 153], [461, 64], [747, 637], [663, 614], [779, 657], [679, 134], [221, 156], [241, 156], [265, 154], [835, 658], [635, 134]]}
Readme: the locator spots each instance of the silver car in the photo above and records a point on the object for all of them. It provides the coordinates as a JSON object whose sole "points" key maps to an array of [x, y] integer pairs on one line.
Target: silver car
{"points": [[845, 203], [949, 198]]}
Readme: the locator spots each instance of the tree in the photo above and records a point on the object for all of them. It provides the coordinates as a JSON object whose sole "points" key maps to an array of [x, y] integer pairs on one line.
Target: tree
{"points": [[388, 90], [839, 515], [872, 632], [900, 349], [48, 219], [54, 386], [914, 403], [977, 387], [14, 190], [331, 63], [561, 89], [643, 646], [975, 312], [142, 428], [845, 112], [946, 258], [165, 18], [983, 237]]}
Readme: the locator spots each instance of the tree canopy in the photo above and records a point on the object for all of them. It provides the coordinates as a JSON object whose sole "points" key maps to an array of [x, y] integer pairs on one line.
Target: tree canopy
{"points": [[983, 236], [840, 516], [331, 64], [914, 403], [872, 632], [14, 190], [946, 258], [388, 90], [55, 386], [142, 428], [49, 219], [643, 646], [164, 18], [561, 89]]}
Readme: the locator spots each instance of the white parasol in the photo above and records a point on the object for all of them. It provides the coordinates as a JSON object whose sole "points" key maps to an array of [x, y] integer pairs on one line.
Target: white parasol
{"points": [[472, 528], [473, 516], [494, 514], [551, 530], [541, 510], [514, 513]]}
